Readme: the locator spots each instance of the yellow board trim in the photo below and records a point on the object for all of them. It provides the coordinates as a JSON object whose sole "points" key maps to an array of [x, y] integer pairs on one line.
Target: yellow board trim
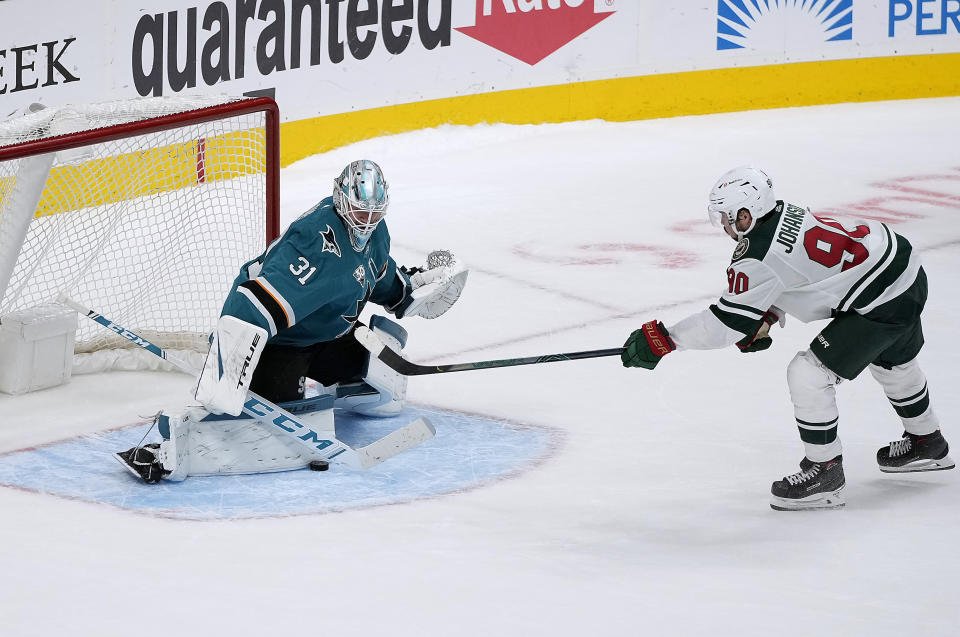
{"points": [[622, 99], [645, 97], [101, 181]]}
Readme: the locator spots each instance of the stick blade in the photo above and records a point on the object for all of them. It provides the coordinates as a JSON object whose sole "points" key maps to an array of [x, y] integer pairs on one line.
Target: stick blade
{"points": [[420, 430]]}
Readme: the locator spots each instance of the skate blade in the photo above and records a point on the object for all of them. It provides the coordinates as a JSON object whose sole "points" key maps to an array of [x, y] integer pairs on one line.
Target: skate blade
{"points": [[942, 464], [812, 503], [126, 465]]}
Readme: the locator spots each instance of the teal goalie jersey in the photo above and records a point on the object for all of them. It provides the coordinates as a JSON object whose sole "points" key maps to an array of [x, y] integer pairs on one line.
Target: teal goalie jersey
{"points": [[310, 285]]}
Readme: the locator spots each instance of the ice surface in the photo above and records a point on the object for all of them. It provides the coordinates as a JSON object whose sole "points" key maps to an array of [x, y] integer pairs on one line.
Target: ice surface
{"points": [[652, 518]]}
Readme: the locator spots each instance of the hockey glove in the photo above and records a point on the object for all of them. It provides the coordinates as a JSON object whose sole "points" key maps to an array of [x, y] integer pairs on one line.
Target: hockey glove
{"points": [[761, 340], [435, 287], [647, 346]]}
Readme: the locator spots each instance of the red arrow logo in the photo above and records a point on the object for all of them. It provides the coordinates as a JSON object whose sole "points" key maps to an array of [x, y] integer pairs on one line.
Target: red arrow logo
{"points": [[533, 34]]}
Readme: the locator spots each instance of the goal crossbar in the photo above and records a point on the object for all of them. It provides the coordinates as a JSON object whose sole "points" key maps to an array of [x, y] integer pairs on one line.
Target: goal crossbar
{"points": [[72, 141]]}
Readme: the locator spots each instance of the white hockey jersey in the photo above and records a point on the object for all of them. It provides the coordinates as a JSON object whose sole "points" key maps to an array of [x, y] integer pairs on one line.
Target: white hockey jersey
{"points": [[811, 267]]}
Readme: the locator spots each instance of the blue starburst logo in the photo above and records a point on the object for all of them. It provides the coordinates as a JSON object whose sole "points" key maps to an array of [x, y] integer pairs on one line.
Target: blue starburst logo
{"points": [[782, 24]]}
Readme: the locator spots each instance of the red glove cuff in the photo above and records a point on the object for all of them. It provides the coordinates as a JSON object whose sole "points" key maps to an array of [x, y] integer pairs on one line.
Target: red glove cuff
{"points": [[657, 338]]}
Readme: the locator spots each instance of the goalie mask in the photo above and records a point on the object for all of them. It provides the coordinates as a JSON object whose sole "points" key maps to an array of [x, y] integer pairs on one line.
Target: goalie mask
{"points": [[360, 198], [746, 188]]}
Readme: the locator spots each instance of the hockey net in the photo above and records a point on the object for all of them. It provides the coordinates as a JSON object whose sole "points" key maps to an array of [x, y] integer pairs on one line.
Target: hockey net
{"points": [[141, 209]]}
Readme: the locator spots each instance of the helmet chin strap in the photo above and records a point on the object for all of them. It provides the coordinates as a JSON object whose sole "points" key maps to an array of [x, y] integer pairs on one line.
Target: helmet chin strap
{"points": [[735, 229], [740, 234], [731, 229]]}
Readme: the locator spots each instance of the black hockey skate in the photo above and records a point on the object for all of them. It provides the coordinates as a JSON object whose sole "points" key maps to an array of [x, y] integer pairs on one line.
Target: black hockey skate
{"points": [[816, 486], [143, 463], [915, 453]]}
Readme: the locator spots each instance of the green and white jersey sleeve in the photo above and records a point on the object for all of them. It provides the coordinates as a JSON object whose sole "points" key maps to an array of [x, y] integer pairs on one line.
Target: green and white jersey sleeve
{"points": [[752, 289]]}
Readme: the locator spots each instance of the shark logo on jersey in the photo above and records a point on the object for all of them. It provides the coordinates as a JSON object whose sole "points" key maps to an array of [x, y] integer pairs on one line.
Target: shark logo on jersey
{"points": [[742, 246], [360, 274], [330, 241]]}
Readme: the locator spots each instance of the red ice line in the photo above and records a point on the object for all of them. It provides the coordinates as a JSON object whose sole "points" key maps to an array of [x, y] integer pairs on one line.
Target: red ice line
{"points": [[670, 258], [879, 208]]}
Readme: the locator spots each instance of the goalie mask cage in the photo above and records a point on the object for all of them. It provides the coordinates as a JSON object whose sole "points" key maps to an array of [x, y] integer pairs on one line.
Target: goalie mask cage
{"points": [[142, 209]]}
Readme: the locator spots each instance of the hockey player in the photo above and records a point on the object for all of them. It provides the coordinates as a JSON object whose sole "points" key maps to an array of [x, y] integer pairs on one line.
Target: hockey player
{"points": [[289, 316], [864, 277]]}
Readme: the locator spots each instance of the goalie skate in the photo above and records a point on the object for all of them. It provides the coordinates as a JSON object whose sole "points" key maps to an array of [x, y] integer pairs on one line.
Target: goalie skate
{"points": [[915, 453], [816, 486], [142, 462]]}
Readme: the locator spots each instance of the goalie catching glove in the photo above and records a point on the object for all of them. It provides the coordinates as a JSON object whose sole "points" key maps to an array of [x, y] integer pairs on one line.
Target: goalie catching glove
{"points": [[228, 369], [434, 288]]}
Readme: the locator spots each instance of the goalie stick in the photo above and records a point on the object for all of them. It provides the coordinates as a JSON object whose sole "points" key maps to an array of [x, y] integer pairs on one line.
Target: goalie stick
{"points": [[322, 446], [398, 363]]}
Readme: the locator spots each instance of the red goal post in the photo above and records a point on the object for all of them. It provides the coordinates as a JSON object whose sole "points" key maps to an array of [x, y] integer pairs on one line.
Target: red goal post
{"points": [[143, 209]]}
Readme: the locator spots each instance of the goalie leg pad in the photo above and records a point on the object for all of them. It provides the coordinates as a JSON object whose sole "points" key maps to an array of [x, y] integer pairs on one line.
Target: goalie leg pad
{"points": [[389, 387], [228, 369], [813, 392], [203, 444]]}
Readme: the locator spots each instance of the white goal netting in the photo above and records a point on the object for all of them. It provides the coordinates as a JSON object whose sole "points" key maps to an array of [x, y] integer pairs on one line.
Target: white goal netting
{"points": [[142, 210]]}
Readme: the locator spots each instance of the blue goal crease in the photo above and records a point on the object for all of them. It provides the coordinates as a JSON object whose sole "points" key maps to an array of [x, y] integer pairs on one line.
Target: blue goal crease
{"points": [[468, 451]]}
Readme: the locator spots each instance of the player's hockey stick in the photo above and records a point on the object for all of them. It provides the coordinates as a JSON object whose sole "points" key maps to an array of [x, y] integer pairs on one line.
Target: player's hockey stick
{"points": [[398, 363], [321, 446]]}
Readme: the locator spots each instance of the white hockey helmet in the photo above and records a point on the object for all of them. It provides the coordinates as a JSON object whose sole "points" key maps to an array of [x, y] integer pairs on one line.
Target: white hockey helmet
{"points": [[360, 198], [743, 187]]}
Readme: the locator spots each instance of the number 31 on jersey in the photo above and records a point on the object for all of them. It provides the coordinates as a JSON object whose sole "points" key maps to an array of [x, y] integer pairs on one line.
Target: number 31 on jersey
{"points": [[301, 266]]}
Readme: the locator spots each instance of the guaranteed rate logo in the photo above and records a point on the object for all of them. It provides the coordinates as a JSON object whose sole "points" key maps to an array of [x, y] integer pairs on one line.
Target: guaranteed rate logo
{"points": [[778, 25], [221, 41], [530, 30]]}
